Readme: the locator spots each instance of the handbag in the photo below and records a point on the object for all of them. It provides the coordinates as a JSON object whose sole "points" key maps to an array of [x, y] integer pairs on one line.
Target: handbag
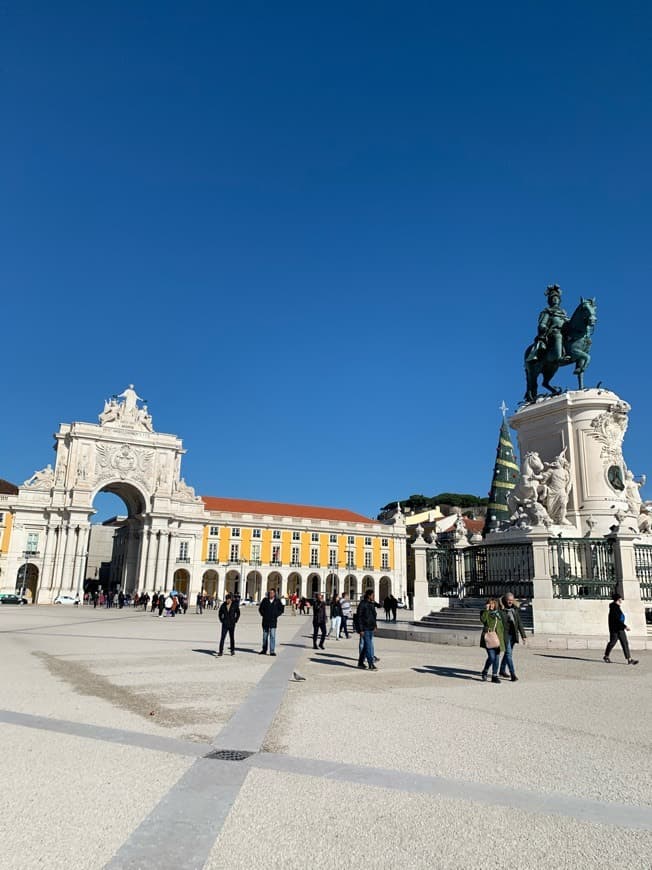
{"points": [[491, 639]]}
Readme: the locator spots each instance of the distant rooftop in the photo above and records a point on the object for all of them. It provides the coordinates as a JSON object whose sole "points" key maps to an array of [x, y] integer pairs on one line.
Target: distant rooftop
{"points": [[7, 488], [278, 509]]}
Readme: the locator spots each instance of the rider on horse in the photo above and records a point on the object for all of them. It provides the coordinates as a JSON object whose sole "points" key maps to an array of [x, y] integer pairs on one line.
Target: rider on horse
{"points": [[549, 343]]}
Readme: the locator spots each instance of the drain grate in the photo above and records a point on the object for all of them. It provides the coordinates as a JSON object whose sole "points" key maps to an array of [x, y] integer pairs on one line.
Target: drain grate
{"points": [[229, 755]]}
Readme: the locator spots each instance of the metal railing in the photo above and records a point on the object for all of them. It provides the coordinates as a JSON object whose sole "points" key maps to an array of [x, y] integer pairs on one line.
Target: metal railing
{"points": [[643, 562], [582, 567], [481, 572]]}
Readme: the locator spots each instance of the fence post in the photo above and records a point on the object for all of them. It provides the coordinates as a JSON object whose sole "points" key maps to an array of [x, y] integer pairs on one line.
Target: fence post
{"points": [[627, 582], [421, 605]]}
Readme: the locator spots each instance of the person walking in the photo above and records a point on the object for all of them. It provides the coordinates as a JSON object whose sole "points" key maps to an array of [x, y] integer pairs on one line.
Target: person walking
{"points": [[319, 621], [336, 616], [199, 603], [345, 604], [270, 609], [513, 630], [492, 639], [617, 631], [387, 606], [228, 615], [393, 606], [366, 622]]}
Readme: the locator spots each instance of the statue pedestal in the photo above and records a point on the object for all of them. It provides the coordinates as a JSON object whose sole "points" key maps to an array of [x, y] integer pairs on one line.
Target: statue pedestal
{"points": [[589, 425]]}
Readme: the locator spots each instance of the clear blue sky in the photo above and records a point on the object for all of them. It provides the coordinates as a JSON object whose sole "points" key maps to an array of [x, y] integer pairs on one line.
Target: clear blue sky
{"points": [[316, 236]]}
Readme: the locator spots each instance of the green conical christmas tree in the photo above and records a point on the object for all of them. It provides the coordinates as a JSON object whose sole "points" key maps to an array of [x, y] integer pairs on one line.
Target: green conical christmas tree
{"points": [[506, 473]]}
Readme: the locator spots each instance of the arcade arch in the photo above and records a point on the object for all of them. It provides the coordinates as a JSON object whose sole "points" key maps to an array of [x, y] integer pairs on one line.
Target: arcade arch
{"points": [[384, 588], [351, 586], [254, 585], [275, 582], [294, 584], [313, 585], [332, 585], [181, 581], [210, 583], [27, 581]]}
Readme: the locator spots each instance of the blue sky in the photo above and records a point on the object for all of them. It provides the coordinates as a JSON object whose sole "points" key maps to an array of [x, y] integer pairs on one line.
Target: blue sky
{"points": [[316, 236]]}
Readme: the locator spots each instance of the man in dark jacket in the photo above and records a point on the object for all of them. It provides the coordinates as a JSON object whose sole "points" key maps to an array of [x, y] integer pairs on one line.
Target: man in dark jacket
{"points": [[228, 615], [366, 625], [319, 621], [617, 629], [270, 609], [513, 630]]}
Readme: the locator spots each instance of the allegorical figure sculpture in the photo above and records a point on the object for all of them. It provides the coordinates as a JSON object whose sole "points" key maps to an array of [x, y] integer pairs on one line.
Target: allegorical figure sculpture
{"points": [[560, 340], [632, 493], [556, 483]]}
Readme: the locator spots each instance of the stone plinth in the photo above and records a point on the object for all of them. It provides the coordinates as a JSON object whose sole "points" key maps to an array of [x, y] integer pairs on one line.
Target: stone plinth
{"points": [[589, 425]]}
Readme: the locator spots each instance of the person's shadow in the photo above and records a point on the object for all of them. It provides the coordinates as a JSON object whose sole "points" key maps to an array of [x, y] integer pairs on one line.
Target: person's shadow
{"points": [[455, 673]]}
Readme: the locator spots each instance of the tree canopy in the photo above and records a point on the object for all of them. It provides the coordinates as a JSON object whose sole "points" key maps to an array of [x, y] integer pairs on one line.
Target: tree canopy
{"points": [[418, 502]]}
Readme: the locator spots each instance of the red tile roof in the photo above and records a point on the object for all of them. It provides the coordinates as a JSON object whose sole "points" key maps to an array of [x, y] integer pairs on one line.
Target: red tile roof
{"points": [[277, 509], [7, 488]]}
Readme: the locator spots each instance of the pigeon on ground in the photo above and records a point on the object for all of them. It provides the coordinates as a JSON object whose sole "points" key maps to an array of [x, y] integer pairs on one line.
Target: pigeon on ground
{"points": [[297, 676]]}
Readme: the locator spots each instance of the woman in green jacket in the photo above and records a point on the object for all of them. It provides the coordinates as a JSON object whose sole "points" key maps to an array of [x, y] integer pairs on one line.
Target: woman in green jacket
{"points": [[492, 620]]}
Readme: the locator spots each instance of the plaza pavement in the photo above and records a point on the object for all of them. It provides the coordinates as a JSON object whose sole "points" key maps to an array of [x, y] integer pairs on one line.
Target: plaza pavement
{"points": [[107, 717]]}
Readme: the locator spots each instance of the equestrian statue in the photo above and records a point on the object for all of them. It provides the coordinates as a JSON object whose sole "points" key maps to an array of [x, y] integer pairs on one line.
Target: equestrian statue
{"points": [[560, 341]]}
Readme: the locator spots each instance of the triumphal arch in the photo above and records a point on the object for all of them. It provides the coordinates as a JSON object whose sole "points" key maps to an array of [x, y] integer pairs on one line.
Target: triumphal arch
{"points": [[121, 454]]}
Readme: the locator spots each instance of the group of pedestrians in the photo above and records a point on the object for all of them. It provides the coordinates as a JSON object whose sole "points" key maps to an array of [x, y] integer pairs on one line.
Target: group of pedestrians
{"points": [[501, 631]]}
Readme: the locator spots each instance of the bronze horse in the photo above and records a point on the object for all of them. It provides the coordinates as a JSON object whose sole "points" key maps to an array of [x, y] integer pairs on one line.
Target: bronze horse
{"points": [[576, 338]]}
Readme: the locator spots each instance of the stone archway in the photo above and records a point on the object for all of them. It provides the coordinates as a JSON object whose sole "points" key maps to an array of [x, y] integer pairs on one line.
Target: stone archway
{"points": [[123, 455], [332, 585], [232, 583], [254, 586], [351, 587], [27, 581], [313, 585], [209, 583], [294, 584], [368, 583], [384, 588], [181, 581], [275, 582]]}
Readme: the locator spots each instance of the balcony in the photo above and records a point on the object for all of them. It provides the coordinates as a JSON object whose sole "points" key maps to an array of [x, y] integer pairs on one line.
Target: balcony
{"points": [[212, 561], [29, 554], [185, 559]]}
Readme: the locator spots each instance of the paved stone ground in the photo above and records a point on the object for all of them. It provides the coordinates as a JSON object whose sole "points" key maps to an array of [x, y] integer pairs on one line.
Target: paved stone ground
{"points": [[107, 718]]}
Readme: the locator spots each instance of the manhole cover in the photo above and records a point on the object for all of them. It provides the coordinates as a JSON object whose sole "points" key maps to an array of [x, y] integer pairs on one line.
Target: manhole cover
{"points": [[229, 755]]}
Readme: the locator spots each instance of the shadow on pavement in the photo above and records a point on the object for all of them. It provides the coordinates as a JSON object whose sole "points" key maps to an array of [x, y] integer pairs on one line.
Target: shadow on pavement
{"points": [[566, 658], [457, 673], [208, 652], [335, 664]]}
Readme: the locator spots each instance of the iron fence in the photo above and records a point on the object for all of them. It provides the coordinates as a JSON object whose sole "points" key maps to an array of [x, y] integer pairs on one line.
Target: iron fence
{"points": [[481, 571], [643, 562], [582, 567]]}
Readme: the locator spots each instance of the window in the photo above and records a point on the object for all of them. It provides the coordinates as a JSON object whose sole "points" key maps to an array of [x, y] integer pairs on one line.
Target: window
{"points": [[255, 552], [276, 555], [255, 533], [350, 540], [332, 558], [2, 518], [212, 553], [367, 560], [296, 536], [332, 539], [314, 557], [32, 542], [235, 532], [296, 559], [276, 535], [234, 555], [367, 542], [183, 551], [314, 537], [384, 560], [214, 531], [384, 542], [350, 559]]}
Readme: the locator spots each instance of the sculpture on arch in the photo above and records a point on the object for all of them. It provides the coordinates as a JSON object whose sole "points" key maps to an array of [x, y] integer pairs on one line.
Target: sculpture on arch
{"points": [[560, 341], [42, 479], [126, 413]]}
